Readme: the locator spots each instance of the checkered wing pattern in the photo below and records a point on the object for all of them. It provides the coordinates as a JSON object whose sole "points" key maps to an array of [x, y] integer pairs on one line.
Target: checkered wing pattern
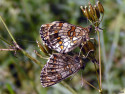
{"points": [[59, 67], [61, 36]]}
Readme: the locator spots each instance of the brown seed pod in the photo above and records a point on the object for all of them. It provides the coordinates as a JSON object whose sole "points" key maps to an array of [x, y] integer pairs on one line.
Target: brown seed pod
{"points": [[91, 16], [91, 9], [42, 48], [97, 13], [87, 12], [100, 7], [83, 10]]}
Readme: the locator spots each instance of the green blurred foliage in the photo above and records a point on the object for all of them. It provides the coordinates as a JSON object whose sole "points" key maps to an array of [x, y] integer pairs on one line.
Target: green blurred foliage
{"points": [[19, 75]]}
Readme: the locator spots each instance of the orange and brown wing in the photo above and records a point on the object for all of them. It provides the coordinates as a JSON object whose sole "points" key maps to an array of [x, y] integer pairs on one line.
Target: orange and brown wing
{"points": [[61, 36], [59, 67]]}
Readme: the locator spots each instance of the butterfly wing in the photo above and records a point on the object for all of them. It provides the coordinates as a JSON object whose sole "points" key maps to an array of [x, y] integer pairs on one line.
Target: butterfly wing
{"points": [[61, 36], [59, 67]]}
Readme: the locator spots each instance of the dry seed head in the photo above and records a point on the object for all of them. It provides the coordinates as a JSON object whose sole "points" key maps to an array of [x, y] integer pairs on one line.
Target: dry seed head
{"points": [[91, 9], [91, 16], [100, 7], [82, 10], [87, 12], [97, 13]]}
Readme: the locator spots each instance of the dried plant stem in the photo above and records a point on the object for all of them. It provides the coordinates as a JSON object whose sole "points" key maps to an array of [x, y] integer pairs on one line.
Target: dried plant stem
{"points": [[1, 38], [100, 72], [8, 49], [7, 30], [30, 57], [97, 74], [90, 85]]}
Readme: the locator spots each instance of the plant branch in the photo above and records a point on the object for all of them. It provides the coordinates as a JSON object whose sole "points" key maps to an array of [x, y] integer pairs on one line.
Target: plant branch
{"points": [[97, 74], [1, 38], [8, 49], [17, 46], [90, 85], [100, 74], [8, 30]]}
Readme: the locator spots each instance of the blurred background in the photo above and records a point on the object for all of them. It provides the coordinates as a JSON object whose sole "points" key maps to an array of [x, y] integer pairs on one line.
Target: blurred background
{"points": [[19, 75]]}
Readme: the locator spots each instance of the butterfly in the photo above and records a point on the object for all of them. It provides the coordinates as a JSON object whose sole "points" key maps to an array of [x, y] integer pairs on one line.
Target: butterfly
{"points": [[59, 67], [63, 37]]}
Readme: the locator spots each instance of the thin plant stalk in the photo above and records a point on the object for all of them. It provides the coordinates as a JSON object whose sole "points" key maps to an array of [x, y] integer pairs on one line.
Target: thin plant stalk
{"points": [[90, 85], [1, 38], [8, 30], [97, 74], [8, 49], [100, 70]]}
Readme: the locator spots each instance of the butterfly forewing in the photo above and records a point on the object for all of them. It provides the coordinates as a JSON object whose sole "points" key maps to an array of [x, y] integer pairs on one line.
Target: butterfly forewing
{"points": [[59, 67], [61, 36]]}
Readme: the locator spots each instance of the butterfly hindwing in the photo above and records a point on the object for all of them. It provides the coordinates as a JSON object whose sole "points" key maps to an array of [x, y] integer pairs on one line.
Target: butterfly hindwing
{"points": [[59, 67]]}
